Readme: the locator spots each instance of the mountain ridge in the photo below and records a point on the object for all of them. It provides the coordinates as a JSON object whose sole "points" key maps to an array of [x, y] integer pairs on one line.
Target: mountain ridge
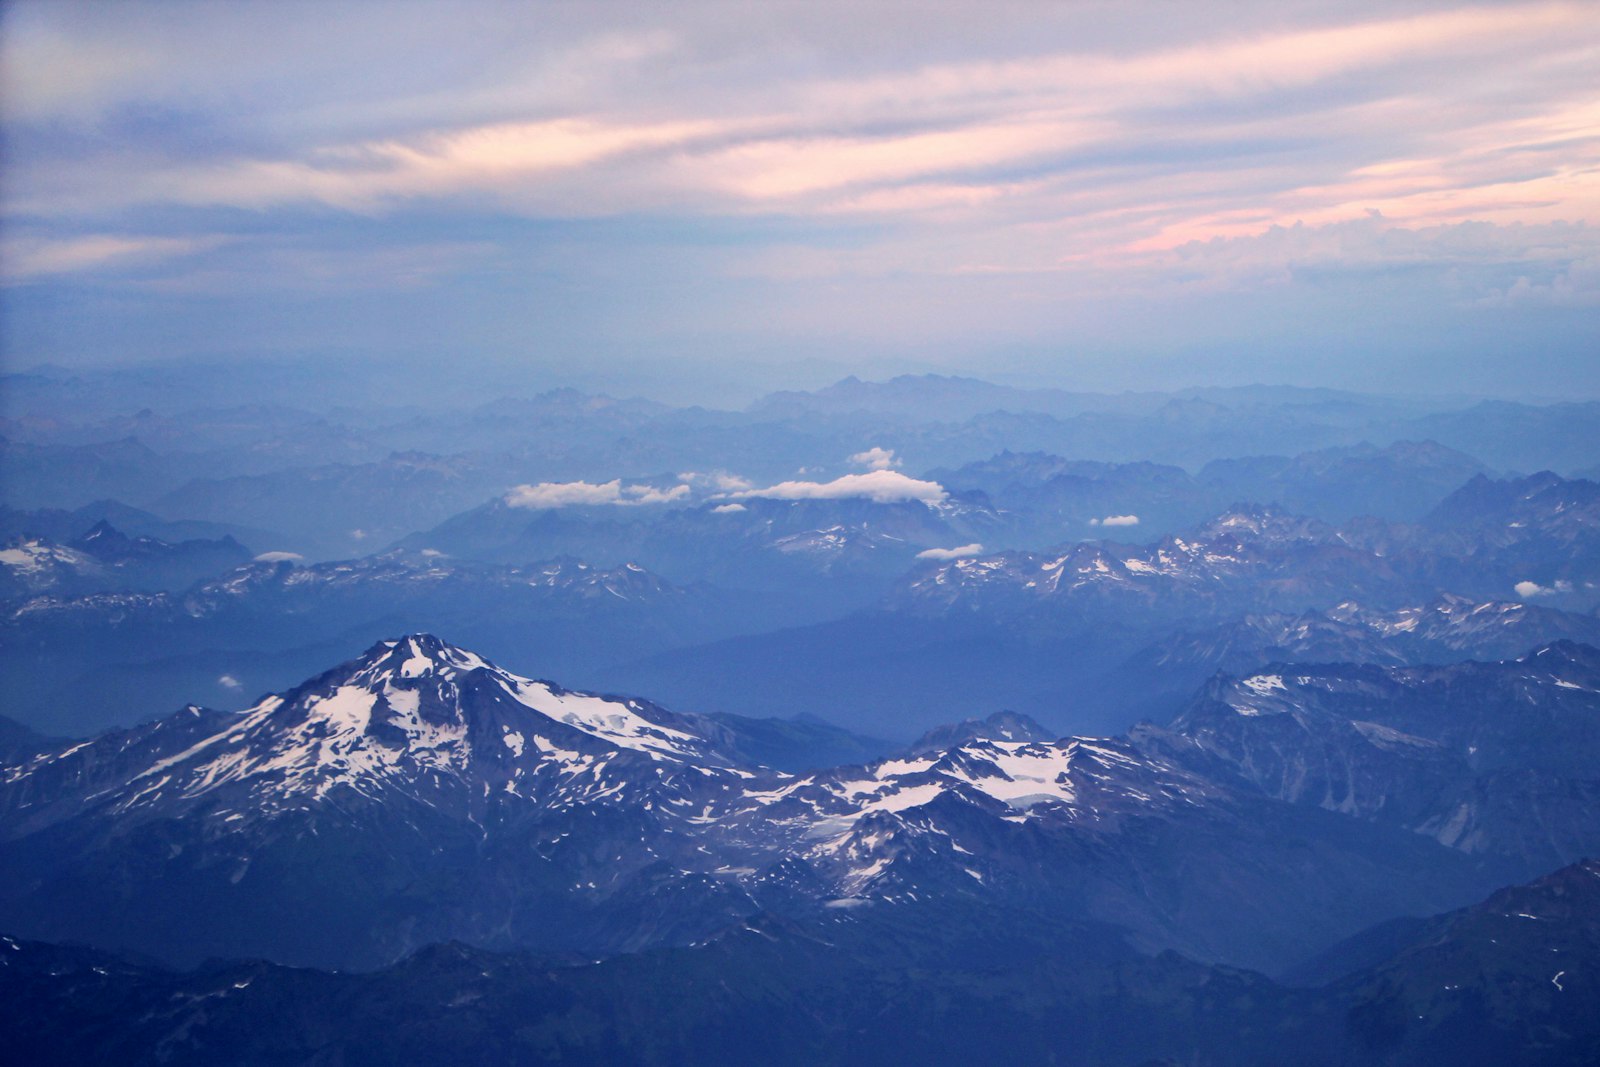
{"points": [[603, 810]]}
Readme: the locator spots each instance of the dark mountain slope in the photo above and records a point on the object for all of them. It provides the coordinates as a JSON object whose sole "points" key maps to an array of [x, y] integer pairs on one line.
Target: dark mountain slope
{"points": [[1504, 981]]}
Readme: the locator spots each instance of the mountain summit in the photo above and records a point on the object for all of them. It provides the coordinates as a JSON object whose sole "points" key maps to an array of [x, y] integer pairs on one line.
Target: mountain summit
{"points": [[416, 715]]}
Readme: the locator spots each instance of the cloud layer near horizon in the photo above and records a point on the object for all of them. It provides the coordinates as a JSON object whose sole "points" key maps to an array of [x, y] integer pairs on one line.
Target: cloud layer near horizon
{"points": [[708, 178]]}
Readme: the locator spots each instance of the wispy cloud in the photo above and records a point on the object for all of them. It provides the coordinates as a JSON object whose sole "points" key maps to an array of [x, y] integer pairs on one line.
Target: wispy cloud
{"points": [[1281, 122], [29, 258], [876, 458], [1002, 175]]}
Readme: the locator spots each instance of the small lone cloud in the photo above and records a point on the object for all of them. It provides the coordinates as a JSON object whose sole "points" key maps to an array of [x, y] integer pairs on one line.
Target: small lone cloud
{"points": [[431, 553], [228, 681], [279, 557], [724, 509], [959, 552], [358, 535], [876, 459], [1528, 590], [1116, 520]]}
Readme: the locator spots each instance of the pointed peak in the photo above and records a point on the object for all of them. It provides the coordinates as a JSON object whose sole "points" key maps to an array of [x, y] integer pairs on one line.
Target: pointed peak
{"points": [[1009, 726], [1015, 726], [419, 654], [102, 537], [103, 528]]}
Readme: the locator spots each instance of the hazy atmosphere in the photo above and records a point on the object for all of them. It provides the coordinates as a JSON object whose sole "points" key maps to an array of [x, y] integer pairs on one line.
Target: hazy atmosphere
{"points": [[799, 534], [703, 201]]}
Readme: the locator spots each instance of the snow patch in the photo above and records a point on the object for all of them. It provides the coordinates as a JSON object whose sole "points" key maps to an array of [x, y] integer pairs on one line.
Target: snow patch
{"points": [[610, 720]]}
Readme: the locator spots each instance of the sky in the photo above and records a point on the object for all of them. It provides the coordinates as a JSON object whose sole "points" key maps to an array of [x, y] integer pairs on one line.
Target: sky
{"points": [[708, 200]]}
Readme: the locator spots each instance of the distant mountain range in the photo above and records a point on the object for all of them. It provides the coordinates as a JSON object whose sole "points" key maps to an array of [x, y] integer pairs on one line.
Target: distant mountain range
{"points": [[1537, 536], [756, 543], [81, 663], [1088, 634], [332, 482], [1093, 633], [1046, 497], [104, 559]]}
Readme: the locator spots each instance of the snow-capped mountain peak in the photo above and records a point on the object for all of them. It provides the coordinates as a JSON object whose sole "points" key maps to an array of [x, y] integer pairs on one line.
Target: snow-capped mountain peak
{"points": [[415, 716], [416, 656], [420, 678]]}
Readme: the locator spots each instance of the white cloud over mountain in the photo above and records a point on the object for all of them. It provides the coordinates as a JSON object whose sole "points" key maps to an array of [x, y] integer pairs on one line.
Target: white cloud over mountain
{"points": [[879, 486], [580, 493], [959, 552], [876, 458]]}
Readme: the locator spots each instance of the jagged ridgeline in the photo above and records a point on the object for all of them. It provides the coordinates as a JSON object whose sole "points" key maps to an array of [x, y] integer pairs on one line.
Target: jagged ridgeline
{"points": [[1505, 980], [422, 794], [1208, 762], [811, 608]]}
